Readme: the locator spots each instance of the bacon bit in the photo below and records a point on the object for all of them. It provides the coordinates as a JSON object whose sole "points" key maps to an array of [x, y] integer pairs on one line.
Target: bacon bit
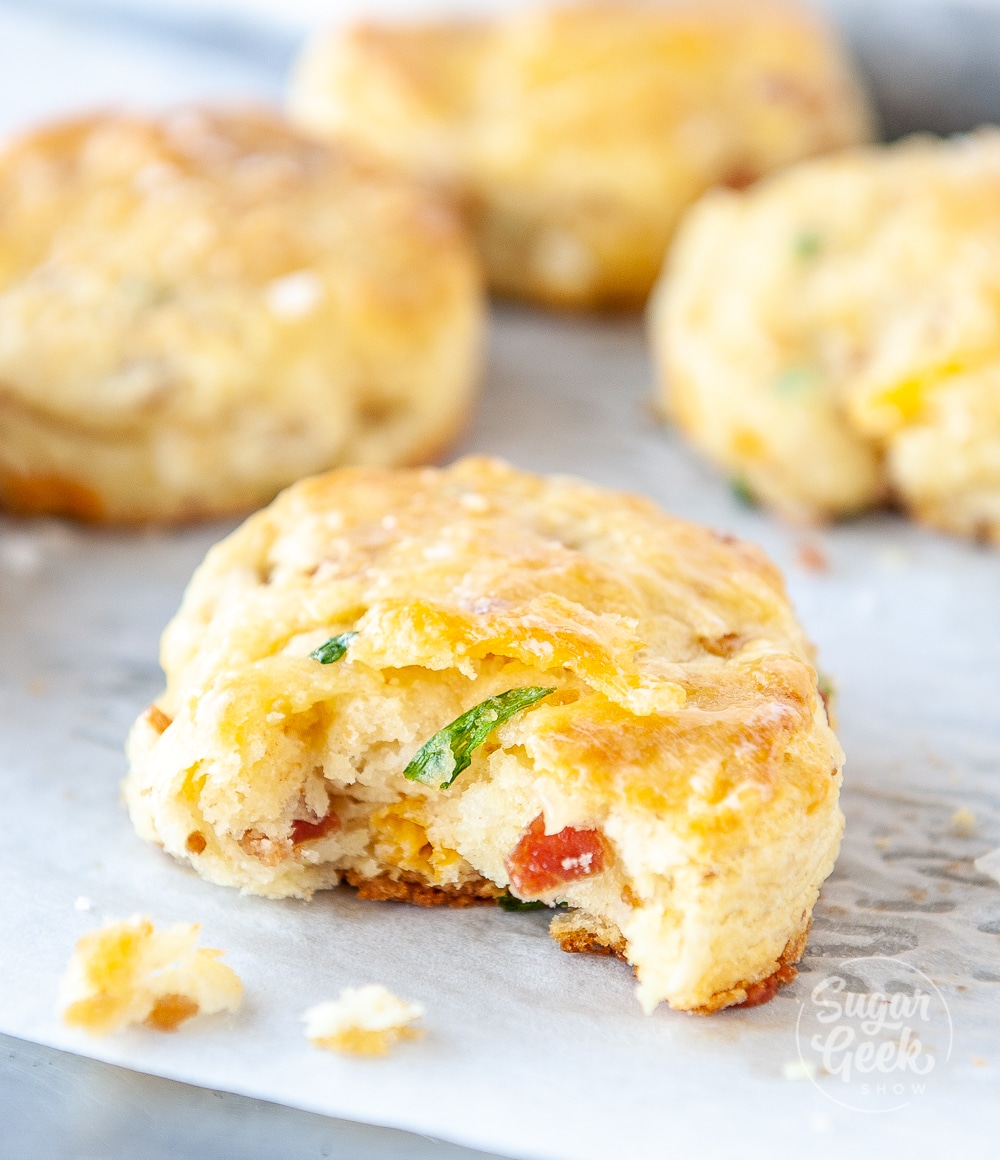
{"points": [[722, 646], [170, 1011], [269, 851], [812, 558], [158, 719], [303, 831], [541, 862], [739, 177], [195, 843]]}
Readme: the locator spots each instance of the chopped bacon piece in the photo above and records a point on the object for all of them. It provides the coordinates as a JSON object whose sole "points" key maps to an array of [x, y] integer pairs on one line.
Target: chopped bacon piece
{"points": [[157, 718], [303, 831], [540, 862]]}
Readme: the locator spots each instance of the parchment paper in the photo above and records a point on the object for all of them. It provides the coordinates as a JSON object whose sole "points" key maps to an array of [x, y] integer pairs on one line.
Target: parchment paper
{"points": [[529, 1051]]}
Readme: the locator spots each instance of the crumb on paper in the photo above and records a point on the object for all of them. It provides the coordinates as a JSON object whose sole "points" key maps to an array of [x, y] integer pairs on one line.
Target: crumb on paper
{"points": [[882, 843], [820, 1122], [812, 558], [83, 903], [362, 1021], [37, 687], [894, 559], [963, 820], [799, 1069], [20, 555], [978, 1061], [128, 972], [989, 864]]}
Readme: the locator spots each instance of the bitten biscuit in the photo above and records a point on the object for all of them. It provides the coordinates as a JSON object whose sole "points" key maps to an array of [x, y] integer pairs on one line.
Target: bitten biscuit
{"points": [[577, 134], [832, 337], [453, 685], [197, 310]]}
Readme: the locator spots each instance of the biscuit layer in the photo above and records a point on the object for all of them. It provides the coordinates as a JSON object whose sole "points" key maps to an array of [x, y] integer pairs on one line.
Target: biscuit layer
{"points": [[677, 789]]}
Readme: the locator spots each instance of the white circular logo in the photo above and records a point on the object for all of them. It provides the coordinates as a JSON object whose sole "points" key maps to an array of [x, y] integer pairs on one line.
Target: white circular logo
{"points": [[873, 1034]]}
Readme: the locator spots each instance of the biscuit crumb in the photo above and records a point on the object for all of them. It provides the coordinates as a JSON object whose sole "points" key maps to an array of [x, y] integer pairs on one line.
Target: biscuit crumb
{"points": [[362, 1021], [963, 820], [127, 972], [812, 558], [989, 864]]}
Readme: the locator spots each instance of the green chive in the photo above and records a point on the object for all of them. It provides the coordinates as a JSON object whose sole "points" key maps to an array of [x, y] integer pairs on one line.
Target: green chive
{"points": [[510, 903], [741, 492], [333, 650], [441, 759], [807, 245], [795, 381]]}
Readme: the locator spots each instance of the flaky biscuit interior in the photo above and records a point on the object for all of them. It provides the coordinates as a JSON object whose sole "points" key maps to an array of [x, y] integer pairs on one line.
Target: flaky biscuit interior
{"points": [[684, 735]]}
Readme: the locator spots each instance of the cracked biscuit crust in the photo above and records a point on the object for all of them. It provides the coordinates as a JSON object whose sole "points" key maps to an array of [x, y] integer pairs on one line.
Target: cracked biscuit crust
{"points": [[832, 337], [578, 134], [677, 787], [197, 310]]}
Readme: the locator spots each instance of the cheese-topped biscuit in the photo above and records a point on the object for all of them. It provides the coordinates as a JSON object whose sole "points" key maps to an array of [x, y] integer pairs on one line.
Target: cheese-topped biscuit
{"points": [[197, 310], [453, 685], [578, 133], [833, 336]]}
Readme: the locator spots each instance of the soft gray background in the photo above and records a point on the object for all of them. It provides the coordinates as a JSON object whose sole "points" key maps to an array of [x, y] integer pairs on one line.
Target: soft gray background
{"points": [[905, 620]]}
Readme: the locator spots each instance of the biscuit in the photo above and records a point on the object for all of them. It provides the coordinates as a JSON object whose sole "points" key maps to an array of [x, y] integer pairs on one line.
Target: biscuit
{"points": [[476, 681], [362, 1021], [832, 337], [199, 309], [125, 973], [577, 134]]}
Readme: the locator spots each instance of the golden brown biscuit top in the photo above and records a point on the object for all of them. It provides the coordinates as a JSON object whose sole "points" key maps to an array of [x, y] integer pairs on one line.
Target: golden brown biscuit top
{"points": [[671, 639], [190, 221]]}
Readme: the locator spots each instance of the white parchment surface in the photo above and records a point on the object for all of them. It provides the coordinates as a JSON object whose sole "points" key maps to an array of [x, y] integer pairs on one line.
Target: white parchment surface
{"points": [[528, 1051], [531, 1051]]}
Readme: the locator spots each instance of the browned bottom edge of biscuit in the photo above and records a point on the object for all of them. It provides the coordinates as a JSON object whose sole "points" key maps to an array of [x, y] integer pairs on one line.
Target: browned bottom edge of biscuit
{"points": [[411, 888], [764, 990], [580, 940]]}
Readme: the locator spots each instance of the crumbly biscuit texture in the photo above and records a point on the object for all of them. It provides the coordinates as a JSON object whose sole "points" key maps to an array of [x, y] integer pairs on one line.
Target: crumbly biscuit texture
{"points": [[832, 336], [364, 1020], [198, 309], [577, 134], [677, 787], [129, 972]]}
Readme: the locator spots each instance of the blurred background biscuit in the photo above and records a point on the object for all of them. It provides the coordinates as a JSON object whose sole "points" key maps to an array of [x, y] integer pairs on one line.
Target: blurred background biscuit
{"points": [[832, 337], [197, 310], [578, 134]]}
